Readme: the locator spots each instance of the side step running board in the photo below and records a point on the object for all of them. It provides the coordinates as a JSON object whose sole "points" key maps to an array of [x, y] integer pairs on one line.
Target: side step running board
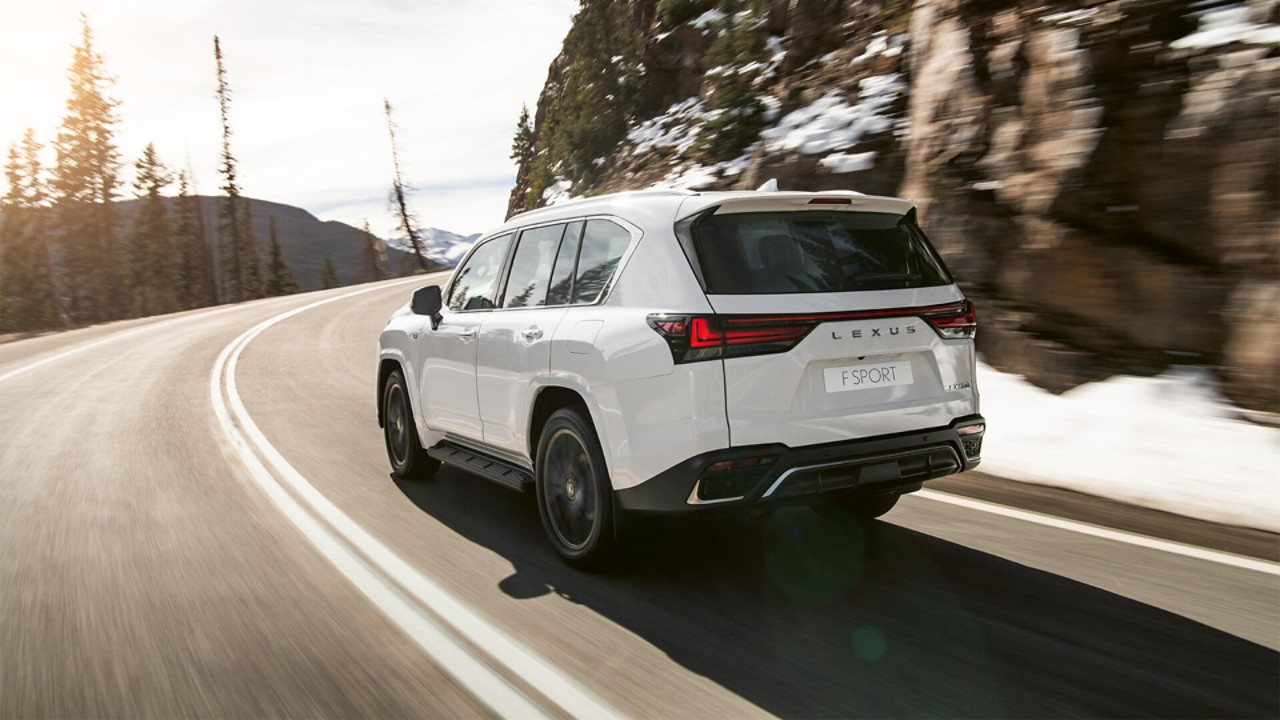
{"points": [[490, 468]]}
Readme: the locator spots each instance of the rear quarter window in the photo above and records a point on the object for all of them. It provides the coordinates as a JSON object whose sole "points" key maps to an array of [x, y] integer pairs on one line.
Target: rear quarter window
{"points": [[603, 244], [814, 252]]}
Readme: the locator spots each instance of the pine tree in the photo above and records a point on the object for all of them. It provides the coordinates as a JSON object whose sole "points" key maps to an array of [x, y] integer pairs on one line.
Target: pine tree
{"points": [[150, 269], [252, 259], [522, 144], [195, 282], [85, 184], [735, 114], [241, 274], [400, 198], [27, 292], [374, 254], [279, 277], [328, 275]]}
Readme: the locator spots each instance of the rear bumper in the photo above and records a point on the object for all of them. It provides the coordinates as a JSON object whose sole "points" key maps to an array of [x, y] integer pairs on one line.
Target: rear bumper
{"points": [[874, 466]]}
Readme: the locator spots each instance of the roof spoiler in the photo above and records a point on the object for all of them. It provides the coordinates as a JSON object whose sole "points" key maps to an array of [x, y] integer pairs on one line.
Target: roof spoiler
{"points": [[784, 201]]}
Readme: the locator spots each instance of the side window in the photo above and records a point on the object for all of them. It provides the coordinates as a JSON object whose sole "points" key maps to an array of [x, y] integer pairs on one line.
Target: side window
{"points": [[531, 268], [475, 282], [562, 278], [602, 246]]}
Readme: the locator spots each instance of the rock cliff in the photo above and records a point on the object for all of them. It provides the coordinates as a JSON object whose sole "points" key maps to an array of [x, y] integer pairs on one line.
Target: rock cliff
{"points": [[1104, 177]]}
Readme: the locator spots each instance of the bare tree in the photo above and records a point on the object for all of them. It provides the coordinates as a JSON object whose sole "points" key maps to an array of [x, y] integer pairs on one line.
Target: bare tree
{"points": [[399, 196]]}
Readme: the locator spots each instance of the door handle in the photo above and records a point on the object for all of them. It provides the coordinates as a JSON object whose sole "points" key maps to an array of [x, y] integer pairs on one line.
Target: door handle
{"points": [[468, 335], [532, 334]]}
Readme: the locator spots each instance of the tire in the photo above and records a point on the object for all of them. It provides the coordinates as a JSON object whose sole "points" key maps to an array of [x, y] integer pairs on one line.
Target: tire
{"points": [[575, 496], [408, 458], [863, 508]]}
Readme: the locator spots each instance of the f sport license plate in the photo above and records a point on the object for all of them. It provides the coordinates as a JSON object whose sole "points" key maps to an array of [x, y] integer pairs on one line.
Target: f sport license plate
{"points": [[865, 377]]}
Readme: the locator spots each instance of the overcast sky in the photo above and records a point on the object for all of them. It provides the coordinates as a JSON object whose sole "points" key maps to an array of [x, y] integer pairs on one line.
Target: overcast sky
{"points": [[308, 78]]}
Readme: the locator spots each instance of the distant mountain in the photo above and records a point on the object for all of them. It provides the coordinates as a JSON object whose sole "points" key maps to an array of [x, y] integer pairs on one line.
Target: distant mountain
{"points": [[306, 241], [444, 247]]}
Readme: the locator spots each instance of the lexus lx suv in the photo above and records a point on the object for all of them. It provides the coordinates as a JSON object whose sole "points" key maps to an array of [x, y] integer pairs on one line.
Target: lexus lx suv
{"points": [[664, 352]]}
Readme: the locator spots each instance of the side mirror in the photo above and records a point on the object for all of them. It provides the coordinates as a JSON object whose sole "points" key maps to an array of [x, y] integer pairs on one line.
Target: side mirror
{"points": [[428, 301]]}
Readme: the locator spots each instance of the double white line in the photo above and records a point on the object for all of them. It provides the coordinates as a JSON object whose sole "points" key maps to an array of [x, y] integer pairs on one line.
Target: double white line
{"points": [[479, 656]]}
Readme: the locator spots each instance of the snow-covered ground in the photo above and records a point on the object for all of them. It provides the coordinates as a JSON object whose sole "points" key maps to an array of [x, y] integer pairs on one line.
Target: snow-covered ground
{"points": [[1169, 442]]}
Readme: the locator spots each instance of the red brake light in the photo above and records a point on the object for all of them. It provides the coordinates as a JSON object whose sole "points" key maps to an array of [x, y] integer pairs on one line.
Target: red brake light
{"points": [[707, 337], [830, 201], [704, 335], [744, 331]]}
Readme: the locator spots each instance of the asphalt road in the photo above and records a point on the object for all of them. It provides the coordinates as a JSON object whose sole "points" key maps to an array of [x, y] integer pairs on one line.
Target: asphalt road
{"points": [[199, 521]]}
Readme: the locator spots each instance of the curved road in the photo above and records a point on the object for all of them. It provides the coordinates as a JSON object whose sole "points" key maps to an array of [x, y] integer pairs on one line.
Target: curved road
{"points": [[197, 519]]}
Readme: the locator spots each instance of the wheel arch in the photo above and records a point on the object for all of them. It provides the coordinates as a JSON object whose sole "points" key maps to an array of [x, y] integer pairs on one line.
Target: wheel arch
{"points": [[385, 367], [549, 399]]}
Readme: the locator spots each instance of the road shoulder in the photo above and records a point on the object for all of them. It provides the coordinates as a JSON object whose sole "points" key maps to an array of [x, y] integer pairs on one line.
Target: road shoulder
{"points": [[1080, 507]]}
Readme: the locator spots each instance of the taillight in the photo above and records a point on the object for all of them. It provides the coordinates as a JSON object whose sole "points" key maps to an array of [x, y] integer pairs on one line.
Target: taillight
{"points": [[708, 337], [955, 322], [738, 332]]}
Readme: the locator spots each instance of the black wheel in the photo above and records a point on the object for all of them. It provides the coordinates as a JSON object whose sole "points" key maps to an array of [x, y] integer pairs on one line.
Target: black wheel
{"points": [[865, 508], [575, 497], [408, 459]]}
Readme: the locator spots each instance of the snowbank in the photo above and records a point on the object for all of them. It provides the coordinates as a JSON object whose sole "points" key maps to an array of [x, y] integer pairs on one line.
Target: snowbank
{"points": [[1168, 442]]}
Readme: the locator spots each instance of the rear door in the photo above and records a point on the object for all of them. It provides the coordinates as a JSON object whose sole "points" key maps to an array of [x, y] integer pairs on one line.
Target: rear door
{"points": [[515, 339], [448, 353], [828, 315]]}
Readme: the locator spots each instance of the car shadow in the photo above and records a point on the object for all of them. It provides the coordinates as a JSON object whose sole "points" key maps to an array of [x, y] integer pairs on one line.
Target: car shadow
{"points": [[808, 616]]}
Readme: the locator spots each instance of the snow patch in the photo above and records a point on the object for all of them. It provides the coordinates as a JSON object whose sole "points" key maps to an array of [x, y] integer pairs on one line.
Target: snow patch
{"points": [[707, 19], [700, 176], [557, 192], [776, 51], [677, 127], [829, 123], [882, 44], [1228, 25], [849, 162], [1169, 442]]}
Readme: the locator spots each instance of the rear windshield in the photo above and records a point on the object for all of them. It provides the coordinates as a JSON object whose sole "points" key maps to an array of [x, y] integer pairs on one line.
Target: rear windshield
{"points": [[814, 252]]}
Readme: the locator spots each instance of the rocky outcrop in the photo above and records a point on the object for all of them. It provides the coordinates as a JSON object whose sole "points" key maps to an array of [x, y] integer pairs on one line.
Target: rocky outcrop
{"points": [[1109, 185], [1103, 177]]}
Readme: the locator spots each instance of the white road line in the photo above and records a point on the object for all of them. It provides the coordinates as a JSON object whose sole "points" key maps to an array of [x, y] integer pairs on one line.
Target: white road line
{"points": [[522, 662], [1215, 556], [479, 679]]}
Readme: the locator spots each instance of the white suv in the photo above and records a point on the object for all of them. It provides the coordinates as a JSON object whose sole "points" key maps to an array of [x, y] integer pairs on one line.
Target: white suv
{"points": [[676, 352]]}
